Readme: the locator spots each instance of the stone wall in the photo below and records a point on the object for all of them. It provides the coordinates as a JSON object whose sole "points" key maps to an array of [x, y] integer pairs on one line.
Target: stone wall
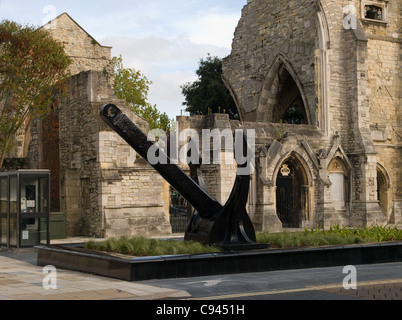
{"points": [[219, 177], [269, 32], [349, 82], [385, 90], [86, 52], [105, 189], [274, 142]]}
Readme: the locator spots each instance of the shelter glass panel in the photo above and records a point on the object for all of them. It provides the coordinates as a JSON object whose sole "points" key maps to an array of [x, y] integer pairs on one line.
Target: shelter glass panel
{"points": [[3, 210]]}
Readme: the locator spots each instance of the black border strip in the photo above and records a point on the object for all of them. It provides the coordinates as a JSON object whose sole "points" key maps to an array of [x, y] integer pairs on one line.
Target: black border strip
{"points": [[183, 266]]}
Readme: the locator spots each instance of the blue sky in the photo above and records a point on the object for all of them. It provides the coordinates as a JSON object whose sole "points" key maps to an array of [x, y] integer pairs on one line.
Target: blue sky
{"points": [[164, 39]]}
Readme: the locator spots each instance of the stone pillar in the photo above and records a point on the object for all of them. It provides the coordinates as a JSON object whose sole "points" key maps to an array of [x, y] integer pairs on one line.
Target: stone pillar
{"points": [[265, 216], [366, 209], [397, 213]]}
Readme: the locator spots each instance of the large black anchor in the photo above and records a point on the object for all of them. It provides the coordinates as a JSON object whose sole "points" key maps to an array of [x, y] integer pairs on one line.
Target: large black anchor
{"points": [[228, 226]]}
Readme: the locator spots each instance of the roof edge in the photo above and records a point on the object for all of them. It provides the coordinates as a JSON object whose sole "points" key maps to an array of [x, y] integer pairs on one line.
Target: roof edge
{"points": [[65, 13]]}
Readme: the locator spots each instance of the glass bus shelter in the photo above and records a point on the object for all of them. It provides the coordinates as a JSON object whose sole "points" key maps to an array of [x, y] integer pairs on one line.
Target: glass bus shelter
{"points": [[24, 208]]}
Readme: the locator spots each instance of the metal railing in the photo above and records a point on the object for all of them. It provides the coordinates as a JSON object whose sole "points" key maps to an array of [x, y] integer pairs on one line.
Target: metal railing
{"points": [[178, 219]]}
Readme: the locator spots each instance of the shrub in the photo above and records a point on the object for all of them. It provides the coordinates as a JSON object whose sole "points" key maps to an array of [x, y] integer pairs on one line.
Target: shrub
{"points": [[140, 246], [336, 235]]}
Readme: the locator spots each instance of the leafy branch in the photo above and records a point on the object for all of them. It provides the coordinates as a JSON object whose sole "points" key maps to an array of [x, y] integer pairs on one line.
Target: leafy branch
{"points": [[131, 85], [33, 66]]}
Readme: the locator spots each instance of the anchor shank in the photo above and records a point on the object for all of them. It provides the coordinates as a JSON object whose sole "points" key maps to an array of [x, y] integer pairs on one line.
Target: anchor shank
{"points": [[187, 187]]}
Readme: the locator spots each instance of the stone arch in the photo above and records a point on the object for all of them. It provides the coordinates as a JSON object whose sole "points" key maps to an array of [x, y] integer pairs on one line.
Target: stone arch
{"points": [[338, 153], [383, 189], [293, 183], [234, 96], [323, 70], [274, 103]]}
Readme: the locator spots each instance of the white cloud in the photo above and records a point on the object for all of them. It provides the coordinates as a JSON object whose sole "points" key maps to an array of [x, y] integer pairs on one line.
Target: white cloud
{"points": [[216, 30], [166, 92], [168, 63], [163, 39]]}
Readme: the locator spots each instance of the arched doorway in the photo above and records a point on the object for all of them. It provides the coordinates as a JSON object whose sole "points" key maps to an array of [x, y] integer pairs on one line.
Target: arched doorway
{"points": [[292, 193]]}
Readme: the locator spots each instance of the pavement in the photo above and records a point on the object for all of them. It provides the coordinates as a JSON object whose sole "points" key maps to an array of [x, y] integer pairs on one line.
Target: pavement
{"points": [[372, 282], [22, 279]]}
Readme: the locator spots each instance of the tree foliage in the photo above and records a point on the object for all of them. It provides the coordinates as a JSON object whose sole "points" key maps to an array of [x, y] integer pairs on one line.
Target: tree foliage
{"points": [[33, 67], [131, 85], [208, 94]]}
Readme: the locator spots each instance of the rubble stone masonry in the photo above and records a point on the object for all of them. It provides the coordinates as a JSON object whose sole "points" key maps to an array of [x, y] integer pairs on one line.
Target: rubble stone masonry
{"points": [[349, 82], [97, 179], [106, 190]]}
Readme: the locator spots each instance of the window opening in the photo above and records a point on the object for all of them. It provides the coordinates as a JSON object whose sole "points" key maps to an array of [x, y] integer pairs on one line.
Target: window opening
{"points": [[289, 107], [373, 12], [294, 115]]}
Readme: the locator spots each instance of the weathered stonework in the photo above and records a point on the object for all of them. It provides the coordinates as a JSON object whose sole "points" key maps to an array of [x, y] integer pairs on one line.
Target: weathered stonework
{"points": [[218, 177], [104, 189], [97, 179], [86, 52], [345, 81]]}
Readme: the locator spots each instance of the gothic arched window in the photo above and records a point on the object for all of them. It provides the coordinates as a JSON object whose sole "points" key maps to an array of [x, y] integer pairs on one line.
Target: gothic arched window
{"points": [[289, 106]]}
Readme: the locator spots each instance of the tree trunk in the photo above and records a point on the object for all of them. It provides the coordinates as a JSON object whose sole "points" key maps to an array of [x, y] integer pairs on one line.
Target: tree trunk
{"points": [[3, 151]]}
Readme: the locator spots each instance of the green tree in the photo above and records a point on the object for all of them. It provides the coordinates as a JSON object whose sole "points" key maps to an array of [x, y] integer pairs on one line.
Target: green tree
{"points": [[208, 94], [131, 85], [33, 67]]}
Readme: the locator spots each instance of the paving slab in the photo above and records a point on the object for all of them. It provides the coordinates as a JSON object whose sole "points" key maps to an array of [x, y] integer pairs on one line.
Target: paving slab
{"points": [[22, 279]]}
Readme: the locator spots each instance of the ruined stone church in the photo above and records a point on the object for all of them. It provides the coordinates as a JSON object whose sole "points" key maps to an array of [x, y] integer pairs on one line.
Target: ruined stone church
{"points": [[321, 83], [318, 80]]}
